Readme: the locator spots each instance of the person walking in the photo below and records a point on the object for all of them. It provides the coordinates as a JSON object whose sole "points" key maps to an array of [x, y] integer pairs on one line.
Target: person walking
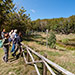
{"points": [[13, 36], [6, 47], [10, 35], [18, 41]]}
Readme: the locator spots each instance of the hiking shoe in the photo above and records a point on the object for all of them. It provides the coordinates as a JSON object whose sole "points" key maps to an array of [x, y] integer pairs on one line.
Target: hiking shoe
{"points": [[17, 56], [6, 61], [13, 55], [3, 59]]}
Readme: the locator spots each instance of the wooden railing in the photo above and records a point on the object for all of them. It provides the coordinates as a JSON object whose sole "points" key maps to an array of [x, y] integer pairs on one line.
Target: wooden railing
{"points": [[47, 64]]}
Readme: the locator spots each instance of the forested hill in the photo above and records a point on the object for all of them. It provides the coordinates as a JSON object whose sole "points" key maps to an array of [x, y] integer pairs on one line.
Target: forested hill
{"points": [[63, 25]]}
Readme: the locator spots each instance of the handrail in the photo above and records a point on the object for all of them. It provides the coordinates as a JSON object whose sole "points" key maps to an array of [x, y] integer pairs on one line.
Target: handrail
{"points": [[49, 68], [45, 60], [33, 61]]}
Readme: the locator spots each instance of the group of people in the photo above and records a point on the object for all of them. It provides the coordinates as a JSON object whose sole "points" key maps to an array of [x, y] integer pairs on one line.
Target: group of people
{"points": [[14, 39]]}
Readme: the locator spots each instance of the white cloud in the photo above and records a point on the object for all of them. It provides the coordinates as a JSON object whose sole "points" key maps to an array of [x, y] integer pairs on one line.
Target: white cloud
{"points": [[32, 10]]}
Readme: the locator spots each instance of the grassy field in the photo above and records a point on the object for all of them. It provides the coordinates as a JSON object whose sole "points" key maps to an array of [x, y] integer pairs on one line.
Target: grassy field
{"points": [[61, 56]]}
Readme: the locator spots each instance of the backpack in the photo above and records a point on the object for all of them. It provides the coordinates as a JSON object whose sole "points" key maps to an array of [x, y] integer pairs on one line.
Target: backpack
{"points": [[1, 43]]}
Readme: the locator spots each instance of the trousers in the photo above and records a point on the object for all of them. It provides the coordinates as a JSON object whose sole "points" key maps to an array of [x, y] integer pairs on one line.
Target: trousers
{"points": [[6, 52]]}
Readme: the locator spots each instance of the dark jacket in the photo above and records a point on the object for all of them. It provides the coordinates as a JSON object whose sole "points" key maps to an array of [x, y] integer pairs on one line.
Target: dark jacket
{"points": [[6, 42], [18, 40]]}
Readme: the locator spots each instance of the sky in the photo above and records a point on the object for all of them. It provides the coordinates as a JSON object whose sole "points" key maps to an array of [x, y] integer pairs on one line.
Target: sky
{"points": [[47, 9]]}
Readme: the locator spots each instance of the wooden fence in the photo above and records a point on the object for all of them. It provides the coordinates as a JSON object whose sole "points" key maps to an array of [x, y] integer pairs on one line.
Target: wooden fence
{"points": [[48, 65]]}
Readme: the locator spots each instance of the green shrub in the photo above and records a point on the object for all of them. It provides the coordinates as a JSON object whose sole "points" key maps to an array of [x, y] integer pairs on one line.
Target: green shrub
{"points": [[65, 41], [52, 40]]}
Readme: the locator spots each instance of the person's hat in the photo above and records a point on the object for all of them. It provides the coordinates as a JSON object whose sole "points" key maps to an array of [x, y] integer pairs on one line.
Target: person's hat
{"points": [[15, 30]]}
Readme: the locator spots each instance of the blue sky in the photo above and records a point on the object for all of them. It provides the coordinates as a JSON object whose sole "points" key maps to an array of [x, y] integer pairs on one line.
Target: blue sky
{"points": [[47, 9]]}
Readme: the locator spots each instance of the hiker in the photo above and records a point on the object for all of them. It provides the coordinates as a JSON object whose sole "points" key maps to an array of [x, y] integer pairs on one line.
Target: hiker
{"points": [[13, 36], [3, 33], [10, 34], [6, 47], [18, 41]]}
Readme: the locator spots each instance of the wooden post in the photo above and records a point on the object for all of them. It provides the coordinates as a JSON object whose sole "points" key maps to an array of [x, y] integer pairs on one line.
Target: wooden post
{"points": [[28, 57], [44, 67], [47, 38]]}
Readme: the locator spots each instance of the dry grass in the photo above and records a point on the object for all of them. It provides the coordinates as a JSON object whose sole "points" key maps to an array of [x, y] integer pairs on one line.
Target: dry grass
{"points": [[64, 58], [62, 36]]}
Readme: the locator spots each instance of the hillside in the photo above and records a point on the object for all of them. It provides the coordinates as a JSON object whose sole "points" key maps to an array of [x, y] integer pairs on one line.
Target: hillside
{"points": [[59, 25]]}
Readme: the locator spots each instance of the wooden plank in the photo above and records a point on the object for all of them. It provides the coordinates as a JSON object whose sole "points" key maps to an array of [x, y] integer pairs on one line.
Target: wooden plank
{"points": [[24, 56], [50, 62], [49, 68], [44, 66], [33, 61], [28, 57]]}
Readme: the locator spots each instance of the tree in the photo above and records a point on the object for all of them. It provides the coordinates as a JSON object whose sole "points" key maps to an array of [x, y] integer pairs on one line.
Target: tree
{"points": [[6, 6], [52, 40], [59, 25], [10, 19]]}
